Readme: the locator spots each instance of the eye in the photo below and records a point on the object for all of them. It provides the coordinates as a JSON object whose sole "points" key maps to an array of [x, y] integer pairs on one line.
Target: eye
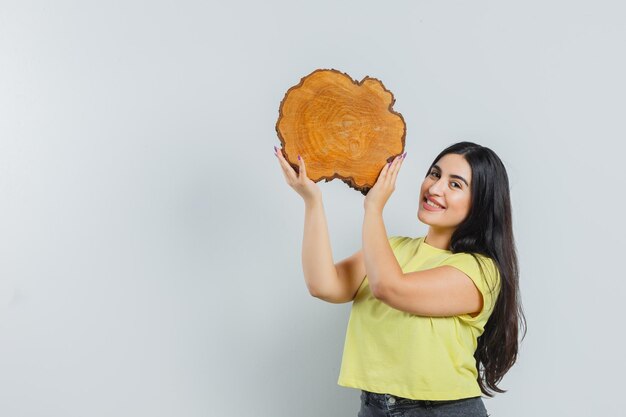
{"points": [[435, 173]]}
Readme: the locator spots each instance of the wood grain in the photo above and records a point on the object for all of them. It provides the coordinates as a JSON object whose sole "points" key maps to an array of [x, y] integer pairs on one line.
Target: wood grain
{"points": [[342, 128]]}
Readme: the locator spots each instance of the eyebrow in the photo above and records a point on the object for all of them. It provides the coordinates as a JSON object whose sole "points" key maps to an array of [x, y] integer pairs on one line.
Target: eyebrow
{"points": [[453, 175]]}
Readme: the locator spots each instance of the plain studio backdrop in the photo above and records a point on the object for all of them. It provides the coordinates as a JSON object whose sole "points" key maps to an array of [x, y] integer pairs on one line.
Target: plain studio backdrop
{"points": [[150, 258]]}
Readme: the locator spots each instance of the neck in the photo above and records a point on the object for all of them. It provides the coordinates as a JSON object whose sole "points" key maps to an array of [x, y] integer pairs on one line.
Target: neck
{"points": [[438, 238]]}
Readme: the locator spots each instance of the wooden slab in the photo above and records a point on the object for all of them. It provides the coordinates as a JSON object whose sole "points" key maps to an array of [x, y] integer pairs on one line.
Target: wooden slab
{"points": [[342, 128]]}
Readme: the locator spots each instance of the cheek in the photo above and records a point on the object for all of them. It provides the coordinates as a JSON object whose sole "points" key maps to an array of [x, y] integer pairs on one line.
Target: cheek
{"points": [[465, 203], [460, 202]]}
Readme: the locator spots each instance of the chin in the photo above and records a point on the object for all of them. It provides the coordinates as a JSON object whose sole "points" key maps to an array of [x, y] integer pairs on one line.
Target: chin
{"points": [[419, 216]]}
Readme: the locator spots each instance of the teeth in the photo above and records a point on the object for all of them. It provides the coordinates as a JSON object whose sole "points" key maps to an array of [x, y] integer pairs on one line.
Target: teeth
{"points": [[430, 203]]}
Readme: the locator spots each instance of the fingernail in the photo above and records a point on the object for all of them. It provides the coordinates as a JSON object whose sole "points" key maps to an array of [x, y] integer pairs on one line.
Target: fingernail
{"points": [[404, 156], [275, 149], [298, 157]]}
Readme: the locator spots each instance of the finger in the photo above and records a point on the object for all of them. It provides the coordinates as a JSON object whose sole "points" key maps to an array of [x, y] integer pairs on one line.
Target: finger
{"points": [[287, 168], [385, 170], [397, 162], [281, 158], [302, 168], [395, 172], [286, 162], [283, 169], [382, 174], [287, 179], [392, 170]]}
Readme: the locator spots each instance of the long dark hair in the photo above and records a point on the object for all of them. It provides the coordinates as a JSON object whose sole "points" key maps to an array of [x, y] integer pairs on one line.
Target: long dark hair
{"points": [[488, 230]]}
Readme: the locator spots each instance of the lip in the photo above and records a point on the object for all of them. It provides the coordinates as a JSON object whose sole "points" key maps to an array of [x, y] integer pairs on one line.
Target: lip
{"points": [[434, 201], [430, 208]]}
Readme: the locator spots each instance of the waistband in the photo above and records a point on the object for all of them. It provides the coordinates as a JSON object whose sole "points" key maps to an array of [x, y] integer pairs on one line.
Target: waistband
{"points": [[391, 400]]}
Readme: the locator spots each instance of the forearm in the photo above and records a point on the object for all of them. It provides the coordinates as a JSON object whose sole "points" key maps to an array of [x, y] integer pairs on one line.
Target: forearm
{"points": [[380, 263], [317, 258]]}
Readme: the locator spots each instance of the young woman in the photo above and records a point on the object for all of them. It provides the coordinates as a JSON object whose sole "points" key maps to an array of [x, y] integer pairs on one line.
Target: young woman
{"points": [[434, 319]]}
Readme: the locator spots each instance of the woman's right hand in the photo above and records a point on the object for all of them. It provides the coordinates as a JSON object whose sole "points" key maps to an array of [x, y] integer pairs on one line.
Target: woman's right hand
{"points": [[308, 190]]}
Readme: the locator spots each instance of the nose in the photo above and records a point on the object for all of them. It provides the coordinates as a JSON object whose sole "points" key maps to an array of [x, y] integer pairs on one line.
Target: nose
{"points": [[435, 188]]}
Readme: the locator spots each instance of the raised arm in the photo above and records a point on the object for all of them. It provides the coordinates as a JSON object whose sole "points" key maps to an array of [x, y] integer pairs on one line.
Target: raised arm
{"points": [[335, 283]]}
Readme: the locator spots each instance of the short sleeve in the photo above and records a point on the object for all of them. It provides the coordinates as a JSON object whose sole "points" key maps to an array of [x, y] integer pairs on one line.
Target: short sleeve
{"points": [[487, 280], [396, 241]]}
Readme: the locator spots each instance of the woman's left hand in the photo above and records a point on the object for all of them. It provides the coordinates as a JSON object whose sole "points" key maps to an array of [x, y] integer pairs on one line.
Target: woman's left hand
{"points": [[378, 195]]}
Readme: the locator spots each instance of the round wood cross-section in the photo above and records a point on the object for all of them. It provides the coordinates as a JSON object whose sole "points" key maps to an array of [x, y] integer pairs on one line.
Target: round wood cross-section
{"points": [[342, 128]]}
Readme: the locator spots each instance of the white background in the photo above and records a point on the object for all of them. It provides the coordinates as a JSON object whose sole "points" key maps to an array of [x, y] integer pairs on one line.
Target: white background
{"points": [[150, 248]]}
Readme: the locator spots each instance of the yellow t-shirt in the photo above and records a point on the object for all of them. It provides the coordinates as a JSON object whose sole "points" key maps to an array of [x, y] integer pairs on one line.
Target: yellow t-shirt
{"points": [[389, 351]]}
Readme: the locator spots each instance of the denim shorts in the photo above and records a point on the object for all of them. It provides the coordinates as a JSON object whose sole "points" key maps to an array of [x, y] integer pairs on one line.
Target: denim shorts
{"points": [[387, 405]]}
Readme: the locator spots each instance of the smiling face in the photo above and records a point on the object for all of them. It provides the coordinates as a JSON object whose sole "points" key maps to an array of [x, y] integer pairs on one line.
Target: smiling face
{"points": [[448, 184]]}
